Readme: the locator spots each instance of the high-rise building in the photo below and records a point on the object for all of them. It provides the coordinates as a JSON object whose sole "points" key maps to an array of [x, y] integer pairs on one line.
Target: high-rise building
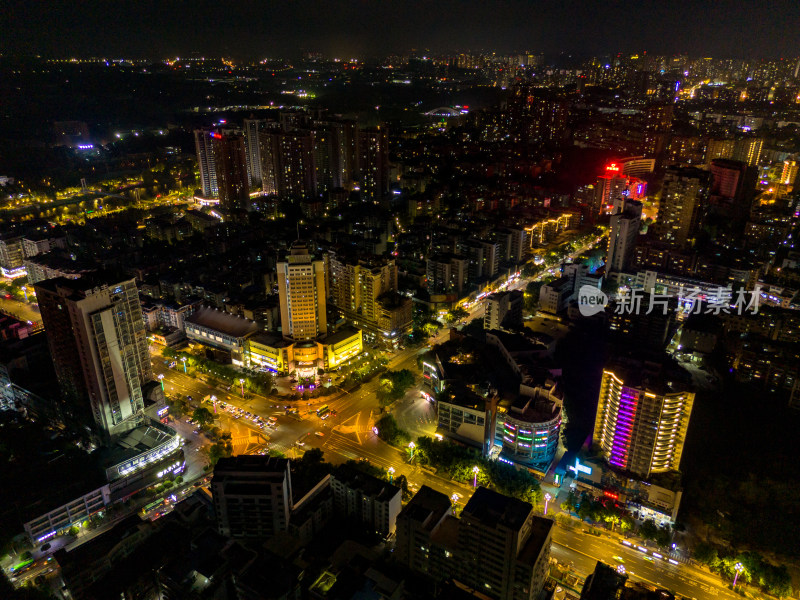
{"points": [[612, 186], [748, 150], [727, 180], [537, 116], [789, 172], [484, 258], [301, 290], [657, 124], [326, 173], [203, 142], [503, 309], [252, 496], [230, 159], [98, 342], [11, 257], [512, 244], [287, 163], [642, 415], [719, 148], [365, 291], [498, 546], [367, 499], [252, 127], [684, 200], [345, 132], [373, 163], [624, 231], [447, 273]]}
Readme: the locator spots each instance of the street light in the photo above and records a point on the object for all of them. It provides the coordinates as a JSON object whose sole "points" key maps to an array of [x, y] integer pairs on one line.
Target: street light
{"points": [[390, 470], [214, 402], [161, 379], [411, 446], [183, 360], [475, 470], [454, 498], [738, 567], [241, 381], [547, 498]]}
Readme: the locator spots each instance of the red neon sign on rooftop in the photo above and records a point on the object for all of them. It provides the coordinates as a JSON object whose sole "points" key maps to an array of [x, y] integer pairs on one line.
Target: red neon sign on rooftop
{"points": [[612, 167]]}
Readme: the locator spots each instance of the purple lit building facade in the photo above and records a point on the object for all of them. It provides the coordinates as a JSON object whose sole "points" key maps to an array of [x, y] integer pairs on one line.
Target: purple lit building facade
{"points": [[642, 417]]}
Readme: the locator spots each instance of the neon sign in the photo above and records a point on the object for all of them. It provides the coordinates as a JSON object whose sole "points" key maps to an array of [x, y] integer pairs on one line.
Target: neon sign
{"points": [[613, 167]]}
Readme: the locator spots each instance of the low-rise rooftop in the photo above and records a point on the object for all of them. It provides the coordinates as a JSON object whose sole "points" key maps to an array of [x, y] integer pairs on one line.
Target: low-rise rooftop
{"points": [[223, 322]]}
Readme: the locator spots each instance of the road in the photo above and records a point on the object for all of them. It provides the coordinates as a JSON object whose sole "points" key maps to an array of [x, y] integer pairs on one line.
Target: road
{"points": [[21, 310], [582, 551]]}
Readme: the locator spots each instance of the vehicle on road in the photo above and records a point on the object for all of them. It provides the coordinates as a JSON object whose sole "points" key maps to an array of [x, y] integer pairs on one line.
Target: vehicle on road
{"points": [[619, 559], [319, 434], [300, 443]]}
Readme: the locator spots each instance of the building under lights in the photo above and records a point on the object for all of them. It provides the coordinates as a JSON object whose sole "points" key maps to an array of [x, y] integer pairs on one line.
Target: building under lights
{"points": [[642, 415], [301, 290], [98, 341], [528, 430], [306, 344]]}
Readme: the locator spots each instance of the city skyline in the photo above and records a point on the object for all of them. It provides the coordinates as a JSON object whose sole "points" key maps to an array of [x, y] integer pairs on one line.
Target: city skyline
{"points": [[410, 300], [254, 30]]}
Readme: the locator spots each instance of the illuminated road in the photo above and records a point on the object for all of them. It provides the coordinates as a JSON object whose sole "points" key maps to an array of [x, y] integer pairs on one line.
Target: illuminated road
{"points": [[583, 550]]}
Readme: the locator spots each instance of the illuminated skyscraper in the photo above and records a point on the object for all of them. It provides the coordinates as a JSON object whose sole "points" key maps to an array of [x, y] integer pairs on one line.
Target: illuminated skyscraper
{"points": [[252, 127], [203, 142], [287, 163], [612, 185], [301, 290], [684, 200], [98, 342], [625, 224], [230, 159], [657, 124], [789, 173], [365, 293], [719, 149], [748, 150], [373, 159], [642, 416]]}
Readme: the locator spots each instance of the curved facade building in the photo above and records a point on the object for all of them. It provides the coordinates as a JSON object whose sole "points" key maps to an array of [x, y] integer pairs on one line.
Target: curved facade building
{"points": [[642, 416], [529, 430]]}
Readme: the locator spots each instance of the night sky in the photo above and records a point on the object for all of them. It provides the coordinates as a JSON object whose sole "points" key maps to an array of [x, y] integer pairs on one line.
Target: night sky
{"points": [[147, 29]]}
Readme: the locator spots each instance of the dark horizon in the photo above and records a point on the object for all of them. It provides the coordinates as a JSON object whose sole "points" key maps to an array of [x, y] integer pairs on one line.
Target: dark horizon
{"points": [[250, 30]]}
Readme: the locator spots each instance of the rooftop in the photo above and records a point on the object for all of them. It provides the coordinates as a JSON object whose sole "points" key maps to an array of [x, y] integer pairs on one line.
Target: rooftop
{"points": [[79, 287], [245, 463], [135, 442], [459, 394], [541, 529], [366, 484], [496, 510], [427, 507], [500, 295], [219, 320], [340, 336], [660, 375], [270, 340], [534, 409]]}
